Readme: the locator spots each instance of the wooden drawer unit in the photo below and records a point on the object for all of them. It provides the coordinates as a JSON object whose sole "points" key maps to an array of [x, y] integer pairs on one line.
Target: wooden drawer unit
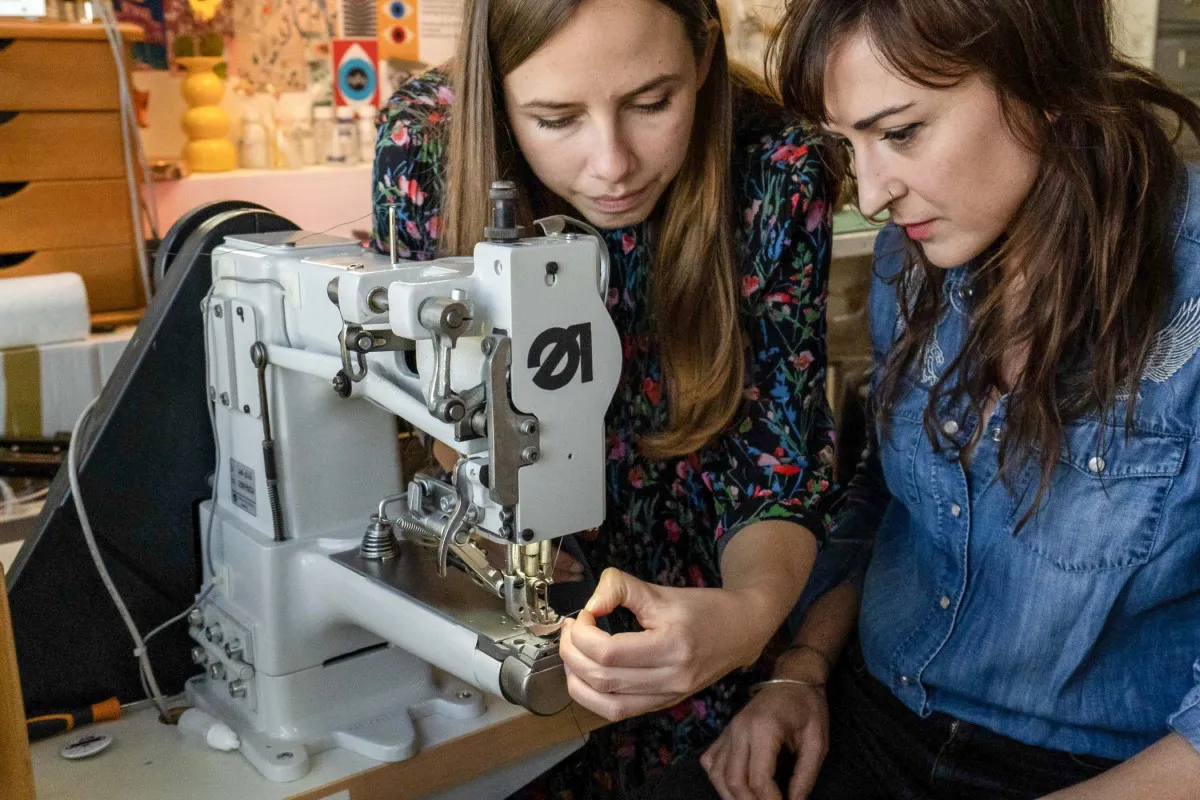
{"points": [[109, 273], [56, 67], [60, 145], [64, 201], [48, 215]]}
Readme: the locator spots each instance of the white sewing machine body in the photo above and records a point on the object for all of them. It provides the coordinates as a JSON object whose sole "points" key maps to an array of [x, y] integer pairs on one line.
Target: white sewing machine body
{"points": [[315, 636]]}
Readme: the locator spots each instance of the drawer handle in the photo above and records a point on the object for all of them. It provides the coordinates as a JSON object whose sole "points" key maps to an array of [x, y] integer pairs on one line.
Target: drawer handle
{"points": [[9, 189], [7, 116], [14, 259]]}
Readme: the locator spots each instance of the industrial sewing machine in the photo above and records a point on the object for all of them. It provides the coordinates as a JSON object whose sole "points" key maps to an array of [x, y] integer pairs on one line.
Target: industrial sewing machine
{"points": [[333, 587]]}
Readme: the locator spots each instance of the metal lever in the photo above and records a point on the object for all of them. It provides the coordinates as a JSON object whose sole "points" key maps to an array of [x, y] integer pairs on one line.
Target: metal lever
{"points": [[557, 225], [355, 372], [446, 319], [258, 355], [458, 515]]}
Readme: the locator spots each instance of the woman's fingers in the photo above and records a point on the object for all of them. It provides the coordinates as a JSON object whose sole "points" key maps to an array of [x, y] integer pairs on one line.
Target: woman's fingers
{"points": [[654, 680], [714, 761], [761, 761], [614, 707], [641, 649], [809, 757], [616, 588]]}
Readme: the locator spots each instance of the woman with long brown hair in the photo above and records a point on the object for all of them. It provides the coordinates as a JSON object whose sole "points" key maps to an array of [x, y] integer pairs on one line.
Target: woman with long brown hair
{"points": [[1029, 622], [715, 211]]}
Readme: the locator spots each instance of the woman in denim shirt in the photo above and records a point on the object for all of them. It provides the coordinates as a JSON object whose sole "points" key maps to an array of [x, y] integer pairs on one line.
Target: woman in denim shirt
{"points": [[1030, 618]]}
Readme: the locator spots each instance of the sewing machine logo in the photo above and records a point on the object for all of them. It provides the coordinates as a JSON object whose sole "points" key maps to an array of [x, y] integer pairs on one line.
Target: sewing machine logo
{"points": [[559, 353]]}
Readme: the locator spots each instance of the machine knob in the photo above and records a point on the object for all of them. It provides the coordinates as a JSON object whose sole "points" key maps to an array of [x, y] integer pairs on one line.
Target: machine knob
{"points": [[365, 342], [237, 688], [196, 618], [199, 656], [213, 633], [234, 650], [216, 671]]}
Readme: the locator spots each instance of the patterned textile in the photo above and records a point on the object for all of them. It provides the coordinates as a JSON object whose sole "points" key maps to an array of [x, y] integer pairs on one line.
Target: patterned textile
{"points": [[668, 519]]}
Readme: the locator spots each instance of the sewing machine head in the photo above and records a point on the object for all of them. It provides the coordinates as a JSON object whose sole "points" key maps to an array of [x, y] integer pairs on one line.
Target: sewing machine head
{"points": [[516, 360]]}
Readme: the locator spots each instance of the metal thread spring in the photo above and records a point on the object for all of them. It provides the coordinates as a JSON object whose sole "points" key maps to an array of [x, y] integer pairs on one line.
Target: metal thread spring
{"points": [[415, 529], [379, 544], [276, 510]]}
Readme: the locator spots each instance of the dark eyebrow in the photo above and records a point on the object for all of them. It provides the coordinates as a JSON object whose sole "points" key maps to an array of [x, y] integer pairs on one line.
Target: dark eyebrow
{"points": [[864, 124], [645, 87]]}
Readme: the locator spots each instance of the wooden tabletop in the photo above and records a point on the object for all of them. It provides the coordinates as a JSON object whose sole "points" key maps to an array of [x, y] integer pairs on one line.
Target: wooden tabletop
{"points": [[53, 29]]}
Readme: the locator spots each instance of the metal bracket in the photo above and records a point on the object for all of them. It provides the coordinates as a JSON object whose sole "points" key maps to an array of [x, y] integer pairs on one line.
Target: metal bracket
{"points": [[557, 226], [354, 371], [514, 438], [446, 318]]}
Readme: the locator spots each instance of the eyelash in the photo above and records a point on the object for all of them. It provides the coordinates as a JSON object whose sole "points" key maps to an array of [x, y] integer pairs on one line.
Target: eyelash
{"points": [[563, 122], [902, 136]]}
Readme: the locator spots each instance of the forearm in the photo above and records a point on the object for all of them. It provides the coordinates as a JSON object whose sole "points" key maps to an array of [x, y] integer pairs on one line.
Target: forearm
{"points": [[1167, 770], [767, 564], [818, 644]]}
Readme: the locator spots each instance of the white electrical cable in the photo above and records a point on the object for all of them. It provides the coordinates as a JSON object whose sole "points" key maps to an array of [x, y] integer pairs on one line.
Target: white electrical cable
{"points": [[139, 643], [128, 132], [199, 599], [212, 423]]}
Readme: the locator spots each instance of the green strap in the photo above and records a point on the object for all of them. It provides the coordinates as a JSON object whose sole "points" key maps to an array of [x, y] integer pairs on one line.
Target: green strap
{"points": [[23, 391]]}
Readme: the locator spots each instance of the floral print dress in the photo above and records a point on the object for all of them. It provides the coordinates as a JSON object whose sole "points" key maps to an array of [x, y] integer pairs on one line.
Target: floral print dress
{"points": [[668, 520]]}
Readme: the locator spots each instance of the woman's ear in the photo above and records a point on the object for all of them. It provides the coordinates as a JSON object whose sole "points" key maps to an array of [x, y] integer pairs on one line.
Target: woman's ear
{"points": [[705, 63]]}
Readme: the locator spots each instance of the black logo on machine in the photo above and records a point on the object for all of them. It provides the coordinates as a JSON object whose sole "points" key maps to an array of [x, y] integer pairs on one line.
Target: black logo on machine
{"points": [[558, 353]]}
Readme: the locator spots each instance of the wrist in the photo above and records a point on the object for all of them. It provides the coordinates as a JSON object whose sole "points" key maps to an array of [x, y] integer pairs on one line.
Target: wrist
{"points": [[804, 662]]}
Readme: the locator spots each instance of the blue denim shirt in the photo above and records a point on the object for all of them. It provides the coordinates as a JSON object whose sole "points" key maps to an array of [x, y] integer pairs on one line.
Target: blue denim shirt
{"points": [[1081, 632]]}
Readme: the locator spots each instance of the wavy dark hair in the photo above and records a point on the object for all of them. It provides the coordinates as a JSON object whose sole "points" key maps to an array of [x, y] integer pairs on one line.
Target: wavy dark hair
{"points": [[1092, 238]]}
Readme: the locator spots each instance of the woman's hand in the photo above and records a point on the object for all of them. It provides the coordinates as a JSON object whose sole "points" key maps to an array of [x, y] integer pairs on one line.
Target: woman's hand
{"points": [[741, 762], [691, 638]]}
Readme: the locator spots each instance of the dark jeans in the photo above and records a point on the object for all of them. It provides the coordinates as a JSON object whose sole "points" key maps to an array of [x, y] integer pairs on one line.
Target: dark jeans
{"points": [[879, 750]]}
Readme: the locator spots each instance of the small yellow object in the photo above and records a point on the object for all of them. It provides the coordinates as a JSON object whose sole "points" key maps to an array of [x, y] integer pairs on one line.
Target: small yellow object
{"points": [[205, 122], [204, 10]]}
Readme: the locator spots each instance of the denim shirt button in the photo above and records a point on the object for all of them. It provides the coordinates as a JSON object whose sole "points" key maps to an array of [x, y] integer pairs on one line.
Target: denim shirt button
{"points": [[949, 427], [905, 680], [1096, 464], [996, 434], [944, 602], [955, 510]]}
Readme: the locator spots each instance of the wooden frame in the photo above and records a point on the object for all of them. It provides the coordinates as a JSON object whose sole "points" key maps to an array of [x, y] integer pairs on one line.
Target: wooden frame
{"points": [[16, 769]]}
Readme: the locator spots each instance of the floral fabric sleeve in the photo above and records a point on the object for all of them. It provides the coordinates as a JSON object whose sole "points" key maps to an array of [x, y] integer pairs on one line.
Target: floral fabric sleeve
{"points": [[776, 462], [409, 166]]}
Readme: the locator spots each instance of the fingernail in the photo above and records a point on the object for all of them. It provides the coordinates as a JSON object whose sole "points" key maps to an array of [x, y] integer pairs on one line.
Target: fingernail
{"points": [[589, 606]]}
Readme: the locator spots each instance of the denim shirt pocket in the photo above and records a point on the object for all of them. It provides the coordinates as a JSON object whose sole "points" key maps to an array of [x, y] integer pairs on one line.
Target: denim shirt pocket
{"points": [[898, 451], [1105, 502]]}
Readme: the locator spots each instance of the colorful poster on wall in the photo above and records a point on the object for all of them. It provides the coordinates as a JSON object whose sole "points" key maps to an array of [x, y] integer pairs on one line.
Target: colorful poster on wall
{"points": [[357, 19], [147, 15], [418, 30], [279, 41], [355, 72]]}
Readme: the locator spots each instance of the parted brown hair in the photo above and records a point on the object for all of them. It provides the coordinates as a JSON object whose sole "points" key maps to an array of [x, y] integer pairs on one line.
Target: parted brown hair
{"points": [[1090, 243], [695, 312]]}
